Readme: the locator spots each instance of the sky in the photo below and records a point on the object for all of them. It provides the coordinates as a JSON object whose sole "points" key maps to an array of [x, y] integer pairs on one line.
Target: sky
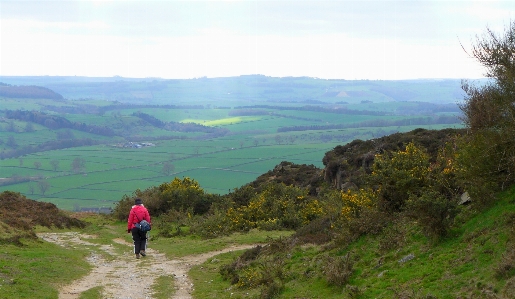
{"points": [[366, 39]]}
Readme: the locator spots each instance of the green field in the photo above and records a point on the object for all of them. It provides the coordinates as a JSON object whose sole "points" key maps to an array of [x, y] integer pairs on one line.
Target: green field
{"points": [[244, 127]]}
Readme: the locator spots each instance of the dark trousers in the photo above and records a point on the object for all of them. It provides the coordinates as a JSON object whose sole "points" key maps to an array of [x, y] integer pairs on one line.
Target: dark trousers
{"points": [[140, 240]]}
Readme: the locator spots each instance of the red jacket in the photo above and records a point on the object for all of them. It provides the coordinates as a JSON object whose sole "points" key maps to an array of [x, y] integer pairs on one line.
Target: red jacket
{"points": [[138, 213]]}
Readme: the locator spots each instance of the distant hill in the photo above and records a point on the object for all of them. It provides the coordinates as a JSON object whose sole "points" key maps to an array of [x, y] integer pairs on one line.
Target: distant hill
{"points": [[250, 88], [28, 92]]}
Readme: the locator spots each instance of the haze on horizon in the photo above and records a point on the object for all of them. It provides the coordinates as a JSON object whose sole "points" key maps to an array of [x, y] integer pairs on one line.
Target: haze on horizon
{"points": [[378, 39]]}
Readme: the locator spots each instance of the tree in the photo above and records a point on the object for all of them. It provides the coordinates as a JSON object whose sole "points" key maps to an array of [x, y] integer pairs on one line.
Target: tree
{"points": [[31, 188], [64, 135], [78, 164], [11, 127], [487, 153], [29, 127], [11, 142], [37, 164], [54, 164], [168, 168], [43, 186]]}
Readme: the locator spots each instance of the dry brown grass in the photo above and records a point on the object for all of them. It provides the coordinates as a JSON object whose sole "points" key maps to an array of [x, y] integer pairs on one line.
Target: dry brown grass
{"points": [[19, 215]]}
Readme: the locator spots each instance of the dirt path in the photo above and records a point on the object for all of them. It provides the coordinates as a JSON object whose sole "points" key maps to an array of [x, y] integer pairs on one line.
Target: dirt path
{"points": [[121, 275]]}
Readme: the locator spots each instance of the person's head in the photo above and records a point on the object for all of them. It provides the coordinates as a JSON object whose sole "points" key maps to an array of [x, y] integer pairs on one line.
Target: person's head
{"points": [[137, 201]]}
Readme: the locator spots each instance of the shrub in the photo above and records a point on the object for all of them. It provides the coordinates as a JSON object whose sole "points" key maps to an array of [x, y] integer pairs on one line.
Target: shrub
{"points": [[353, 291], [230, 271], [355, 203], [339, 269], [170, 223], [211, 226], [489, 114], [183, 195], [399, 174], [370, 221], [506, 266], [477, 161], [393, 236], [316, 232], [271, 269], [271, 290], [179, 195], [249, 278], [276, 206], [279, 245], [433, 212], [267, 274]]}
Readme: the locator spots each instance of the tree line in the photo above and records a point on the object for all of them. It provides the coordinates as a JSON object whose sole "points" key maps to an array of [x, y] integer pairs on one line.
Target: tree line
{"points": [[46, 146], [418, 121], [310, 108], [91, 109], [57, 122], [179, 127], [258, 112]]}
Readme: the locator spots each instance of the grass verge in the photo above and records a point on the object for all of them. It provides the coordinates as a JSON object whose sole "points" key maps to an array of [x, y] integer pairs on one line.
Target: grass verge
{"points": [[36, 269], [93, 293], [190, 245], [164, 287]]}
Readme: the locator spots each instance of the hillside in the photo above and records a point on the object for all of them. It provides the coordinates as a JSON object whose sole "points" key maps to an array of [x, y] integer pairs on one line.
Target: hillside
{"points": [[375, 255], [476, 260], [346, 164], [20, 215], [28, 92]]}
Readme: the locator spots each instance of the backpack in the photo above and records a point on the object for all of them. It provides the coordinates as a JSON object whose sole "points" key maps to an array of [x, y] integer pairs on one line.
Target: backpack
{"points": [[143, 225]]}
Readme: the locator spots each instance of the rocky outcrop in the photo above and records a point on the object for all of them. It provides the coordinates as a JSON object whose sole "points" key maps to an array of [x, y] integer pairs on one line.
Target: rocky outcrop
{"points": [[346, 164]]}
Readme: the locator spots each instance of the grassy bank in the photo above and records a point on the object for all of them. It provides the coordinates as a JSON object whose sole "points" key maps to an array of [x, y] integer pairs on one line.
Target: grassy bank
{"points": [[476, 260]]}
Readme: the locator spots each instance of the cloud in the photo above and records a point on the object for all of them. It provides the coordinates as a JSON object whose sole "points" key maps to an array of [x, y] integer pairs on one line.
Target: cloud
{"points": [[184, 39]]}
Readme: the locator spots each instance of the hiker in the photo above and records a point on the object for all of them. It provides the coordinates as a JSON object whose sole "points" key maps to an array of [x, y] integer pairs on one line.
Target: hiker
{"points": [[138, 212]]}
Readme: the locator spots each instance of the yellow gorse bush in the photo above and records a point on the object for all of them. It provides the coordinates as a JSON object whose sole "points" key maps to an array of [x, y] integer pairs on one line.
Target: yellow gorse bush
{"points": [[311, 210], [354, 202], [399, 174], [276, 205], [413, 160], [181, 185]]}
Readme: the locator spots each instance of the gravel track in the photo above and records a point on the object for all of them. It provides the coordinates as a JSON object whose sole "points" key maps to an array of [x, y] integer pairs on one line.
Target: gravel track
{"points": [[121, 276]]}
